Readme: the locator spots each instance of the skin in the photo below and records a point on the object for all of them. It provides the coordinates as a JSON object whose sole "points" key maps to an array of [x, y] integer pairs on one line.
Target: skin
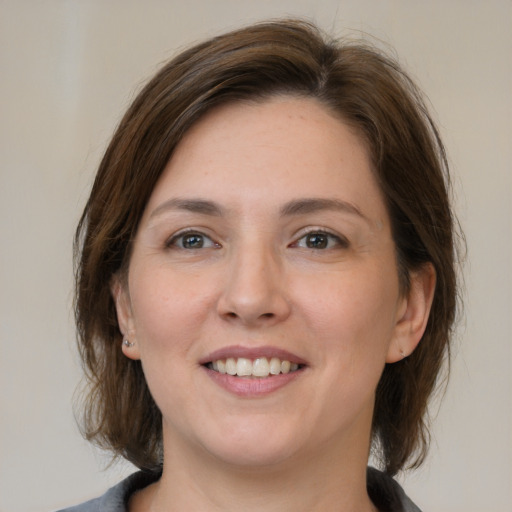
{"points": [[255, 278]]}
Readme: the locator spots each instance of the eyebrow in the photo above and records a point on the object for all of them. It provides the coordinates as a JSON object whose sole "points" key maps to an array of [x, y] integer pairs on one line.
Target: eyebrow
{"points": [[295, 207], [312, 205], [191, 205]]}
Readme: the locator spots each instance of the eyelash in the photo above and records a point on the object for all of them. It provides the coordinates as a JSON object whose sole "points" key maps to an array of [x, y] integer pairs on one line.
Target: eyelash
{"points": [[173, 241], [332, 240]]}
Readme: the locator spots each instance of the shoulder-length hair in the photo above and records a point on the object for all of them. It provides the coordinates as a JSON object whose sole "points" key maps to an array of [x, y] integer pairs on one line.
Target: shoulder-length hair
{"points": [[356, 82]]}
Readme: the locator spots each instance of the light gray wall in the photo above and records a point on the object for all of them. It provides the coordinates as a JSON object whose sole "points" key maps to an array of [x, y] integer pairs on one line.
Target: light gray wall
{"points": [[68, 70]]}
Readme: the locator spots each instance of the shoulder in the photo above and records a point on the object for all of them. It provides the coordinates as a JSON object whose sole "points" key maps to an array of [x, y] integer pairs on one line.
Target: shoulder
{"points": [[387, 494], [117, 497]]}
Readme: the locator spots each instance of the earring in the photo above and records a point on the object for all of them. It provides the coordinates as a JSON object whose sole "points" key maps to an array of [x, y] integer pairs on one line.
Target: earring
{"points": [[403, 354], [127, 344]]}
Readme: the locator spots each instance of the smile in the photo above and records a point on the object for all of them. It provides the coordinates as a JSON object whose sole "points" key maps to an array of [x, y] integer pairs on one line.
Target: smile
{"points": [[260, 367]]}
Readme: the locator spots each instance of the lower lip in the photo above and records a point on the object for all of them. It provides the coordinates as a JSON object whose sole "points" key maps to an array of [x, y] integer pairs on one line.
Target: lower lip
{"points": [[252, 387]]}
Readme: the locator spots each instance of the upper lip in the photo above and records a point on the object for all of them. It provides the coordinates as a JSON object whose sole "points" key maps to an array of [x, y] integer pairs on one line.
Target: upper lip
{"points": [[237, 351]]}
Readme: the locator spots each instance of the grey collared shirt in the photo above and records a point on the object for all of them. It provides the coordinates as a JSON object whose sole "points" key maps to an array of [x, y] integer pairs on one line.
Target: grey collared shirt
{"points": [[386, 493]]}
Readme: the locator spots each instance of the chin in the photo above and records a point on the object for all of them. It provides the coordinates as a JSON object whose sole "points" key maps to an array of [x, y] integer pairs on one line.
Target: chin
{"points": [[254, 447], [254, 456]]}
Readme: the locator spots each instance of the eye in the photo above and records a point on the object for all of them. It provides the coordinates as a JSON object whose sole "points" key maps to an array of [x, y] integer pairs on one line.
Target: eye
{"points": [[191, 240], [320, 240]]}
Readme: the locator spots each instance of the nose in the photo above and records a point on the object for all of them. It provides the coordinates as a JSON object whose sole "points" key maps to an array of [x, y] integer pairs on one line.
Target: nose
{"points": [[255, 288]]}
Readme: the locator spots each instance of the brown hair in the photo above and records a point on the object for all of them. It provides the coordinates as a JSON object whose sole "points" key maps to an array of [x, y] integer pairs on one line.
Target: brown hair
{"points": [[364, 88]]}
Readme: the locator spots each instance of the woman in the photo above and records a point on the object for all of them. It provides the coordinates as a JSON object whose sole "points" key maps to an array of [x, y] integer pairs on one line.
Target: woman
{"points": [[265, 281]]}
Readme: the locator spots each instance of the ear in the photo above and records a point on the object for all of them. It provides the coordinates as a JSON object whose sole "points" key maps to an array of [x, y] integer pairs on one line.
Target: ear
{"points": [[121, 296], [413, 315]]}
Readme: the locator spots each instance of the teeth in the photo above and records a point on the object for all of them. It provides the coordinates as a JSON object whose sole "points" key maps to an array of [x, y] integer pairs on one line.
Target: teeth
{"points": [[260, 367], [243, 367], [230, 366], [221, 366], [275, 366]]}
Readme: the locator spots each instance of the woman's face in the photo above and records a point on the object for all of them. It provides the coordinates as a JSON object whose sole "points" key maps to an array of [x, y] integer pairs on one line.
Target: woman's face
{"points": [[265, 250]]}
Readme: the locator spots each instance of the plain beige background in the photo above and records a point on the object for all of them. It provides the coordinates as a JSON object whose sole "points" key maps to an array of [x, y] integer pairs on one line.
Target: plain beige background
{"points": [[68, 69]]}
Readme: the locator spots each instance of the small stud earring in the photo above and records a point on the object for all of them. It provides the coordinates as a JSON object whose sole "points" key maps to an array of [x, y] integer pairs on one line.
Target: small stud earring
{"points": [[403, 354], [126, 343]]}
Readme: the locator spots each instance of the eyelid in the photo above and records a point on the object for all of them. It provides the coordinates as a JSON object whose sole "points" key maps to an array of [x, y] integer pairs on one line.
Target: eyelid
{"points": [[340, 239], [171, 241]]}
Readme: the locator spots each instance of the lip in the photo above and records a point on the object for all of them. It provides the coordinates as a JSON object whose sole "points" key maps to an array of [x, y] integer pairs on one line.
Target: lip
{"points": [[252, 353], [252, 387]]}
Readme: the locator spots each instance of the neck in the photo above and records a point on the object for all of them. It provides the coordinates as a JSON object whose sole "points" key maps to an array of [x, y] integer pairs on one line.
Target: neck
{"points": [[192, 480]]}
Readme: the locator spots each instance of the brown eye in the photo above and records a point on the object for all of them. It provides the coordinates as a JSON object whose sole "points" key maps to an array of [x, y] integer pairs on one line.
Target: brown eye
{"points": [[317, 241]]}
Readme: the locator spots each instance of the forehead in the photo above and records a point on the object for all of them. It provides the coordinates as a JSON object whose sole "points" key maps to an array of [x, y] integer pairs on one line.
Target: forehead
{"points": [[277, 149]]}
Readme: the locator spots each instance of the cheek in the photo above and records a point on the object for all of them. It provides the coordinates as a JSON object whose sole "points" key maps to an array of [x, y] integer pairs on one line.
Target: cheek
{"points": [[353, 313], [169, 308]]}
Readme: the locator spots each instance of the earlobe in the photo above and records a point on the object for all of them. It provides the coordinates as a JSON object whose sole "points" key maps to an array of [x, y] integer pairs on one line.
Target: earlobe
{"points": [[122, 302], [414, 314]]}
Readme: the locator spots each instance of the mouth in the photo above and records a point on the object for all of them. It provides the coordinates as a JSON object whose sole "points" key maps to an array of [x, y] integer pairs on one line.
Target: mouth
{"points": [[259, 368], [253, 372]]}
